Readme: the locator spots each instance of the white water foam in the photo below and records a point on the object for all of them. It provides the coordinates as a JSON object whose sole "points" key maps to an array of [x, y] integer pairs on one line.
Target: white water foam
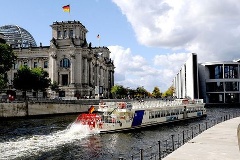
{"points": [[23, 147]]}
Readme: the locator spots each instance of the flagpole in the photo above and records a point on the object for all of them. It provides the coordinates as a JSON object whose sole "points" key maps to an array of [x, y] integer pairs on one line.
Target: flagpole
{"points": [[98, 37], [70, 12]]}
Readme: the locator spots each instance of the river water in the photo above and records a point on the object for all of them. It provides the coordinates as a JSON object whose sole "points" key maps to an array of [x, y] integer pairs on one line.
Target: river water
{"points": [[57, 138]]}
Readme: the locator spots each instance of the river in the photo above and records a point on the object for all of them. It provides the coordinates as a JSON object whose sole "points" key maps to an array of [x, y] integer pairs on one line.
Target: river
{"points": [[57, 138]]}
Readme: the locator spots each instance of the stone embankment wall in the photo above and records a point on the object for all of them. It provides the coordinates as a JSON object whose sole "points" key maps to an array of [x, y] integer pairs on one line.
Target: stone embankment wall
{"points": [[34, 108], [46, 108]]}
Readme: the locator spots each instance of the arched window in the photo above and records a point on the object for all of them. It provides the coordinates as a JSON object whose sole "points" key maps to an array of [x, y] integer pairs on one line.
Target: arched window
{"points": [[65, 63]]}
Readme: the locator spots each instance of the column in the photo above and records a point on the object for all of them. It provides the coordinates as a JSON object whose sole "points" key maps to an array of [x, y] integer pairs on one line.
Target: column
{"points": [[91, 73], [97, 75], [101, 76], [85, 70], [72, 72], [79, 63]]}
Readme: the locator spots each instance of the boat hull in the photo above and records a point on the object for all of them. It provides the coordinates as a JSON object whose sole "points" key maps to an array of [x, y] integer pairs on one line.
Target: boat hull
{"points": [[148, 125]]}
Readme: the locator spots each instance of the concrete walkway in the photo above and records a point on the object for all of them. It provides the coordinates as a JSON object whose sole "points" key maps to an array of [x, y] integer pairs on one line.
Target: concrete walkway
{"points": [[220, 142]]}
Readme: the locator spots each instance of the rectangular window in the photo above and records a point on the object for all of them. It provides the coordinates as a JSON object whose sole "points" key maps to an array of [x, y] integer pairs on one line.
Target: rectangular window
{"points": [[35, 64], [15, 66], [214, 86], [231, 86], [231, 71], [45, 65], [58, 34], [65, 34], [71, 34], [216, 72]]}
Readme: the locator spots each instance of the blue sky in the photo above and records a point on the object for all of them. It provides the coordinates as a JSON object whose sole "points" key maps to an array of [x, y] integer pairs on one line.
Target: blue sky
{"points": [[149, 40]]}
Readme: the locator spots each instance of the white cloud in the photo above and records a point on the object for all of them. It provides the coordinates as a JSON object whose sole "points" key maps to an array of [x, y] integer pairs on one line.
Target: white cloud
{"points": [[209, 28], [134, 71]]}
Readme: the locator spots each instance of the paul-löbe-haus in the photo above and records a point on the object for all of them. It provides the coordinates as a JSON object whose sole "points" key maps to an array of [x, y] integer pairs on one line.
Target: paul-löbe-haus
{"points": [[79, 69], [214, 82]]}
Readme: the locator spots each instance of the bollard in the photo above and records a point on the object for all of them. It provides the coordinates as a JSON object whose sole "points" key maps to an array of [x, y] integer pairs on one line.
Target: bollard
{"points": [[141, 154], [206, 125], [192, 132], [178, 140], [199, 128], [183, 137], [172, 142], [132, 157], [159, 150]]}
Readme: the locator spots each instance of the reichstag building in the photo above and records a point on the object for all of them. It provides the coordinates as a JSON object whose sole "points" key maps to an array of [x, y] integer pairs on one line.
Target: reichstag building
{"points": [[79, 69]]}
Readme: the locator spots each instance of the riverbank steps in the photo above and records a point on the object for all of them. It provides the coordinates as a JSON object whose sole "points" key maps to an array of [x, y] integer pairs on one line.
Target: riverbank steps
{"points": [[220, 142]]}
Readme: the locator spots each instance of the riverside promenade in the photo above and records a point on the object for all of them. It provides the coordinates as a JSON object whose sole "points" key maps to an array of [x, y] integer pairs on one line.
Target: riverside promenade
{"points": [[220, 142]]}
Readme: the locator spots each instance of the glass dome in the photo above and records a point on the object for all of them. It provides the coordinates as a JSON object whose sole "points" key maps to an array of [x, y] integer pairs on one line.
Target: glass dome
{"points": [[17, 36]]}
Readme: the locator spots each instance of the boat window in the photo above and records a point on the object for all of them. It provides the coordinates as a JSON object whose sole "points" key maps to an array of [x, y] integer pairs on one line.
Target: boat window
{"points": [[176, 111], [163, 114], [167, 113], [151, 115]]}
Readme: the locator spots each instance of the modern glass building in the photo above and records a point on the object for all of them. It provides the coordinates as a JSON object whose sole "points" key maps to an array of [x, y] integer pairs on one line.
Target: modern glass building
{"points": [[215, 82], [220, 81], [17, 36]]}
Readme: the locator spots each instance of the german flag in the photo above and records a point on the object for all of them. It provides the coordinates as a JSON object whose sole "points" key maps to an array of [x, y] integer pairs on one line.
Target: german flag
{"points": [[66, 8], [91, 109]]}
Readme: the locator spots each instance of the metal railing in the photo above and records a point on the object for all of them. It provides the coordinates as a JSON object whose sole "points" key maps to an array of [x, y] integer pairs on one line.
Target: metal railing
{"points": [[161, 149]]}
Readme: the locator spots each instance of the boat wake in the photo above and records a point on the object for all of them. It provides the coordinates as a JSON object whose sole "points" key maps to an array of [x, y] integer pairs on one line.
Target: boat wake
{"points": [[26, 147]]}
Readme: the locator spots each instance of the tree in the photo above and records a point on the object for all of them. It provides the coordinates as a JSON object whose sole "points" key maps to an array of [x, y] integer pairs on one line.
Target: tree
{"points": [[141, 92], [119, 91], [7, 59], [169, 92], [156, 92], [3, 81], [40, 77], [24, 79], [54, 86], [27, 79]]}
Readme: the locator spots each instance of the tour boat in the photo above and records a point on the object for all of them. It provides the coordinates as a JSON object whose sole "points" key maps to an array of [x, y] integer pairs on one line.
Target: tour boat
{"points": [[120, 116]]}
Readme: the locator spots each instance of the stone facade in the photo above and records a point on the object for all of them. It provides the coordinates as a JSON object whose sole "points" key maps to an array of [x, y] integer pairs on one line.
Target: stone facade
{"points": [[78, 68]]}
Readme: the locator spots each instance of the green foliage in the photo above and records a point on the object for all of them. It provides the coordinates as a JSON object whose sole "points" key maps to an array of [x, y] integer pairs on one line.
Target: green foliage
{"points": [[156, 92], [142, 92], [41, 79], [118, 91], [3, 81], [27, 79], [169, 92], [7, 59], [2, 41], [24, 79], [54, 86]]}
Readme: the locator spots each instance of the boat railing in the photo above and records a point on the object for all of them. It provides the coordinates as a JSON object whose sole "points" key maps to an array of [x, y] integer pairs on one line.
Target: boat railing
{"points": [[157, 104]]}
